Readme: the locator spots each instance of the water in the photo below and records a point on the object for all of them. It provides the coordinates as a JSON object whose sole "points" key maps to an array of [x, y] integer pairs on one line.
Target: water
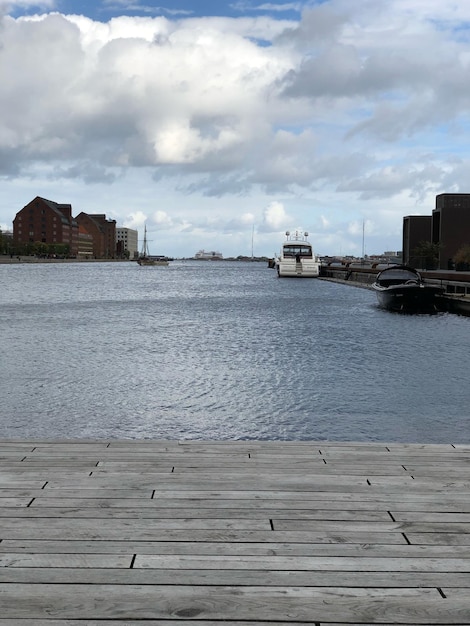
{"points": [[221, 351]]}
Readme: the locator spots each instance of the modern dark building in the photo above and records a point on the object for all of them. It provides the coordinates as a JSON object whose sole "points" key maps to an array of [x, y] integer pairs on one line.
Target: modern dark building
{"points": [[448, 228], [451, 225], [45, 221], [416, 230]]}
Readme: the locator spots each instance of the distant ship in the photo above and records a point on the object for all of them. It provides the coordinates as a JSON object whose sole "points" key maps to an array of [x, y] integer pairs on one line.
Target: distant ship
{"points": [[146, 259], [213, 255]]}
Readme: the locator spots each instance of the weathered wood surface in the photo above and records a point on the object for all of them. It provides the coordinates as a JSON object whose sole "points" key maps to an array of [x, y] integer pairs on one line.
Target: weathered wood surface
{"points": [[239, 533]]}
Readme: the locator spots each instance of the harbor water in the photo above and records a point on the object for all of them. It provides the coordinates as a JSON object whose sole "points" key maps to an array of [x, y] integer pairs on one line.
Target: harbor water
{"points": [[222, 350]]}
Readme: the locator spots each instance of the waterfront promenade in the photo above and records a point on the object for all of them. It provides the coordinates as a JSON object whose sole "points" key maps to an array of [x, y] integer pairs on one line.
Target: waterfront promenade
{"points": [[167, 532]]}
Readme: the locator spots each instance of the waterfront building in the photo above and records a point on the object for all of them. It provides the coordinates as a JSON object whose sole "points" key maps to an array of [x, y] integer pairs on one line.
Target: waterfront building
{"points": [[448, 229], [85, 243], [103, 232], [43, 221], [127, 241], [416, 230], [451, 225]]}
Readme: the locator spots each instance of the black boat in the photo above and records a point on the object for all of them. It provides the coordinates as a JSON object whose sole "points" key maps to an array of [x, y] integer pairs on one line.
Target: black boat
{"points": [[401, 288]]}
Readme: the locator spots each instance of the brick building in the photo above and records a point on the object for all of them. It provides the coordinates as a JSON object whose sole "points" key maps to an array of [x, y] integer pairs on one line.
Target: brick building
{"points": [[103, 232], [45, 221], [85, 243]]}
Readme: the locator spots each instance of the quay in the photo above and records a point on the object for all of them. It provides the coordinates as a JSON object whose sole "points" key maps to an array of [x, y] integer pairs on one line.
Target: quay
{"points": [[179, 533], [456, 284]]}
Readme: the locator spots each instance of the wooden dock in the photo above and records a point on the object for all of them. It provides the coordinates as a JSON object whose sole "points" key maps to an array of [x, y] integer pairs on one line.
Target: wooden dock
{"points": [[234, 533]]}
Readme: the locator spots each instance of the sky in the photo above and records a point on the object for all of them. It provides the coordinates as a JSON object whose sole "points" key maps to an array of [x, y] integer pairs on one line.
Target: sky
{"points": [[220, 125]]}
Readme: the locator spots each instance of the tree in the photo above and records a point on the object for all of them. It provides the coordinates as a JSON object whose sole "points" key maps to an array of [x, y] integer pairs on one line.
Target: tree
{"points": [[462, 257], [426, 255]]}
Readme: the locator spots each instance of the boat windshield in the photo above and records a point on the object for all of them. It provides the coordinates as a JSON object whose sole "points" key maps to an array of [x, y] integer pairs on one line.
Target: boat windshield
{"points": [[297, 249], [399, 274]]}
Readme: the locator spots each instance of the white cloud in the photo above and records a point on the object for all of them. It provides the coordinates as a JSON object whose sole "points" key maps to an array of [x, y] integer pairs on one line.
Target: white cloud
{"points": [[210, 126], [275, 218]]}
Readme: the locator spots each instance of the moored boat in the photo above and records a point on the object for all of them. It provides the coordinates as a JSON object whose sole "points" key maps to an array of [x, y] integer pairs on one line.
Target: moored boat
{"points": [[297, 257], [401, 288], [146, 259]]}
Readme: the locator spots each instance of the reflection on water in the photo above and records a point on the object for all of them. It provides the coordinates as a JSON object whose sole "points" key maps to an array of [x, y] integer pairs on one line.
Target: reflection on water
{"points": [[222, 351]]}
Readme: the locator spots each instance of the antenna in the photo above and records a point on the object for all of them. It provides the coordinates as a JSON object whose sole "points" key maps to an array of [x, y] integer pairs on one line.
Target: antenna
{"points": [[363, 231]]}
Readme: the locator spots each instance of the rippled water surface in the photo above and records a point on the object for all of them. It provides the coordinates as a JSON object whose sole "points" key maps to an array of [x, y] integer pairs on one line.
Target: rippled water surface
{"points": [[222, 351]]}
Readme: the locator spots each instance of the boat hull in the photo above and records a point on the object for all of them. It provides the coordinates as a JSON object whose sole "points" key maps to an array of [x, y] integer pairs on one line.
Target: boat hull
{"points": [[409, 298], [302, 269], [151, 262]]}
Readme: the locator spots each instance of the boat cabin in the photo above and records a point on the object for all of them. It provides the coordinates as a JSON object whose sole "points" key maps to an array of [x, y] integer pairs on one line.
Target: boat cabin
{"points": [[294, 250], [397, 276]]}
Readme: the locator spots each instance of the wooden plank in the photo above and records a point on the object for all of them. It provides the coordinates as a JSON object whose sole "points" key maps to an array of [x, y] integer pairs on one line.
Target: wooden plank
{"points": [[159, 513], [50, 560], [400, 509], [235, 578], [194, 548], [312, 564], [420, 606], [234, 532]]}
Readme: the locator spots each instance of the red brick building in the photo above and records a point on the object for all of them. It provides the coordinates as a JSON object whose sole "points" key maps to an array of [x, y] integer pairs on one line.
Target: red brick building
{"points": [[45, 221], [85, 244], [103, 232]]}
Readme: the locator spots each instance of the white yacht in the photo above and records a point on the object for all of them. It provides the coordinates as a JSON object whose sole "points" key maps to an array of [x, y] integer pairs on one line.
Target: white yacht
{"points": [[297, 257]]}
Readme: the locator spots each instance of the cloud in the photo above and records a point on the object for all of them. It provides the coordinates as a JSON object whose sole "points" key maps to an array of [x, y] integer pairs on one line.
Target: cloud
{"points": [[349, 107], [275, 218]]}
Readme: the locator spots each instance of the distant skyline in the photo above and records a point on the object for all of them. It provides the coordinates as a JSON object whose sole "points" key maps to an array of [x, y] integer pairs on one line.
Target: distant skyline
{"points": [[214, 122]]}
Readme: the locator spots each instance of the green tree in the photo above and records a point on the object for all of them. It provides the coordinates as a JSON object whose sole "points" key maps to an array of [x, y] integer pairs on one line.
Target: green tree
{"points": [[425, 255]]}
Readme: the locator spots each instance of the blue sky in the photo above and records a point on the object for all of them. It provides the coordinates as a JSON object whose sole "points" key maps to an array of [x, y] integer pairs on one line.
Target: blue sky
{"points": [[105, 10], [209, 121]]}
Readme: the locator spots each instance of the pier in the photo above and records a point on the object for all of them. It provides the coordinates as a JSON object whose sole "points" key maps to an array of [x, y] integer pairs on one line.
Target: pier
{"points": [[456, 284], [236, 533]]}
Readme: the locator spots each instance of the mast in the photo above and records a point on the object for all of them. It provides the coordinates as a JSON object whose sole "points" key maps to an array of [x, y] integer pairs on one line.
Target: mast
{"points": [[363, 232], [145, 246]]}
